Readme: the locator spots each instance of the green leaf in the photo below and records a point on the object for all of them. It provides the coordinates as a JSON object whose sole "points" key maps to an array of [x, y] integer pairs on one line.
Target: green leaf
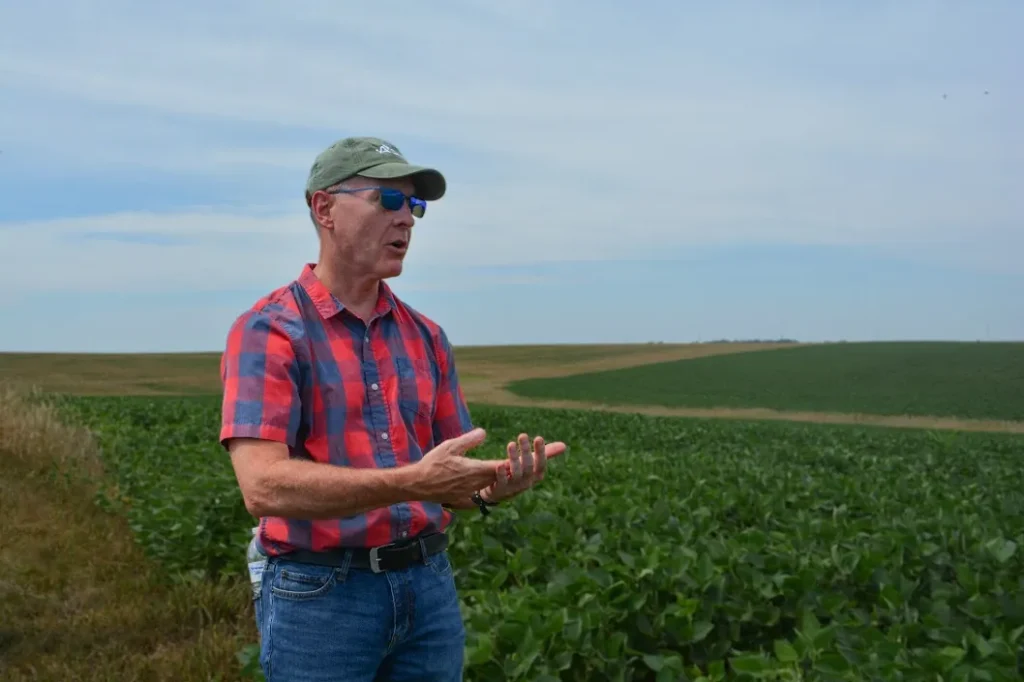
{"points": [[562, 661], [832, 664], [481, 650], [981, 644], [500, 576], [1002, 550], [947, 657], [667, 675], [809, 624], [701, 629], [750, 664], [785, 652]]}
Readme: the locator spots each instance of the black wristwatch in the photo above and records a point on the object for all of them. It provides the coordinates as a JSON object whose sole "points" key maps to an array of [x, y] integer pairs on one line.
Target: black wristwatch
{"points": [[482, 503]]}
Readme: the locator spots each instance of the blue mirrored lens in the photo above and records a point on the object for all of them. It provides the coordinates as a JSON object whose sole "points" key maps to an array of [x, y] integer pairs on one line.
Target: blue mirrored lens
{"points": [[417, 206], [392, 200]]}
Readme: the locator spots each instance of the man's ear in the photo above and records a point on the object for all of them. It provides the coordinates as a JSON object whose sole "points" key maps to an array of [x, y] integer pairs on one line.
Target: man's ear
{"points": [[320, 210]]}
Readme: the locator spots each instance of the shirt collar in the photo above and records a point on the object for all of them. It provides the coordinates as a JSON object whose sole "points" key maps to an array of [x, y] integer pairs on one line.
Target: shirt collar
{"points": [[328, 305]]}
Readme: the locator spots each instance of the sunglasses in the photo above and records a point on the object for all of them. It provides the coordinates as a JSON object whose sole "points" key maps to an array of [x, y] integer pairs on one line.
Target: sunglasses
{"points": [[391, 199]]}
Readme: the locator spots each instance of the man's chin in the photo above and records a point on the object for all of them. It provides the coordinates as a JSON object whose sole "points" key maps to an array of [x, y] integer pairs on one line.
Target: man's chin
{"points": [[392, 268]]}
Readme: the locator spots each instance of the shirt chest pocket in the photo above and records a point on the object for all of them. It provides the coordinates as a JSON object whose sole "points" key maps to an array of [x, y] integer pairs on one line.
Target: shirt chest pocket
{"points": [[417, 391]]}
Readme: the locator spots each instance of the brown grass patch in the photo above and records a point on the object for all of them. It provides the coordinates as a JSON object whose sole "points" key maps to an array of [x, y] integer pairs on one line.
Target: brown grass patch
{"points": [[78, 600]]}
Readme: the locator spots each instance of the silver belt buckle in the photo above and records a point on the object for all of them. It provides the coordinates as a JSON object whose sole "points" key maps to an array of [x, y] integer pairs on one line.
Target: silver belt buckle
{"points": [[375, 560]]}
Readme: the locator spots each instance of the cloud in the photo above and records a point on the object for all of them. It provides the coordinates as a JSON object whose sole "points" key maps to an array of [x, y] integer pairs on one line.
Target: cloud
{"points": [[566, 134], [133, 237]]}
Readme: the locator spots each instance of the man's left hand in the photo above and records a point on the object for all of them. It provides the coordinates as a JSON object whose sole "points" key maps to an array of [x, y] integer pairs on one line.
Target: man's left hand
{"points": [[525, 467]]}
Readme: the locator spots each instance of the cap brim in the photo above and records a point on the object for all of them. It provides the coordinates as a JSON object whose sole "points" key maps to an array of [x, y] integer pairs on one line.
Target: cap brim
{"points": [[430, 184]]}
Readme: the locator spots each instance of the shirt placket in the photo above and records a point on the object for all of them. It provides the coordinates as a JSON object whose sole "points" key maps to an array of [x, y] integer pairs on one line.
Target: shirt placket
{"points": [[384, 454]]}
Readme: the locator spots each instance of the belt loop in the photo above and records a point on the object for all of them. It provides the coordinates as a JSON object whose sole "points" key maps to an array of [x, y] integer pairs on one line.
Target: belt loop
{"points": [[423, 548], [342, 571]]}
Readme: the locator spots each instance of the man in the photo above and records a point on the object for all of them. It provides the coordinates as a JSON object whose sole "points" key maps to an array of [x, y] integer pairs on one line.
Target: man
{"points": [[347, 429]]}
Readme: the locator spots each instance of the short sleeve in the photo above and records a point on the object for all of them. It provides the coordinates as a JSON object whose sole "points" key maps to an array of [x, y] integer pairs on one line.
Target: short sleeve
{"points": [[451, 414], [260, 380]]}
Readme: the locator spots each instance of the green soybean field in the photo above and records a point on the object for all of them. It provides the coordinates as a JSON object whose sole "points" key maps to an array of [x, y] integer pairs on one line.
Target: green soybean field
{"points": [[928, 379], [667, 549]]}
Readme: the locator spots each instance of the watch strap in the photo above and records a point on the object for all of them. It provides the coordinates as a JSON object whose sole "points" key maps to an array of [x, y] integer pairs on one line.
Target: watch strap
{"points": [[482, 504]]}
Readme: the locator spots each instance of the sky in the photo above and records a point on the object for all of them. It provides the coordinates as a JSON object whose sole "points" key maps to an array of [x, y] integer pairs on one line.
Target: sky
{"points": [[656, 171]]}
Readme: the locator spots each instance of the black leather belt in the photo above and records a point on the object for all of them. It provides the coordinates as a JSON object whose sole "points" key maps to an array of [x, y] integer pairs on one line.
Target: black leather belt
{"points": [[393, 557]]}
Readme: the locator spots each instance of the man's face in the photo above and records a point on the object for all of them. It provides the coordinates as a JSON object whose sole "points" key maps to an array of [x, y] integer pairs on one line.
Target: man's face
{"points": [[365, 236]]}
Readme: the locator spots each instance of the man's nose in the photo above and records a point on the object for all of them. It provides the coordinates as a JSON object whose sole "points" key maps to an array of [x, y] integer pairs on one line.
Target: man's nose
{"points": [[404, 216]]}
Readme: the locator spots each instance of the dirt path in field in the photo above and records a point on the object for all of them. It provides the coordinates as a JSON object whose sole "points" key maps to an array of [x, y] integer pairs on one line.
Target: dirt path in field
{"points": [[485, 382], [501, 397]]}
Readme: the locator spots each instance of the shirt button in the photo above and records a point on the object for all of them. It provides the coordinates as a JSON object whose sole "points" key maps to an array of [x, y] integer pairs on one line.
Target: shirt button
{"points": [[384, 435], [366, 338], [373, 386], [405, 534]]}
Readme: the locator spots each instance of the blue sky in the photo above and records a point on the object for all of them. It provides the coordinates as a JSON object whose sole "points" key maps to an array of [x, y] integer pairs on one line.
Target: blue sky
{"points": [[661, 171]]}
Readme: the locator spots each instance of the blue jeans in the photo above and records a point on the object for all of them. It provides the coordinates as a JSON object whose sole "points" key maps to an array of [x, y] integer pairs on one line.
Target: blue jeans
{"points": [[319, 623]]}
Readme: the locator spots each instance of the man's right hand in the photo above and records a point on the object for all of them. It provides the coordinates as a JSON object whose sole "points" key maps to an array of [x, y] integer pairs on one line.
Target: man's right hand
{"points": [[445, 473]]}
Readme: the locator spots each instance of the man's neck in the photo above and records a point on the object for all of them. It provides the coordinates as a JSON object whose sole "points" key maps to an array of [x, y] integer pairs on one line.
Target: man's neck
{"points": [[358, 294]]}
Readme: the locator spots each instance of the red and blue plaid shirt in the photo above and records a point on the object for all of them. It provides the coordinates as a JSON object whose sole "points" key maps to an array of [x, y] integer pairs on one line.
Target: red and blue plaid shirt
{"points": [[300, 369]]}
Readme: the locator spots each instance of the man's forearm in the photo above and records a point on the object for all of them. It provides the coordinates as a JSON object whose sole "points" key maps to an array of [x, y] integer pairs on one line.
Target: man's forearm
{"points": [[301, 489]]}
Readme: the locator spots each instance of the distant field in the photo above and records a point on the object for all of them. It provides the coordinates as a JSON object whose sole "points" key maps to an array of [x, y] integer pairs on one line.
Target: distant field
{"points": [[967, 380], [113, 374], [536, 359], [481, 367]]}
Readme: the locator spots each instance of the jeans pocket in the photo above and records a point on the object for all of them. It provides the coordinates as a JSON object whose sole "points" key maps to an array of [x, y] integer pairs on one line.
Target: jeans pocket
{"points": [[296, 582], [440, 564]]}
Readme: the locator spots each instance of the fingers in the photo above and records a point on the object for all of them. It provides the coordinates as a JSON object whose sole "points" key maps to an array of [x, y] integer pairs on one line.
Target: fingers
{"points": [[502, 479], [540, 456], [554, 449], [526, 470], [527, 464], [467, 441], [515, 469]]}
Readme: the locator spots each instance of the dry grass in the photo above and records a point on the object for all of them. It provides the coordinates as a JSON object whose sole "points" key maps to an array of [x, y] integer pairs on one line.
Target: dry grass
{"points": [[78, 600]]}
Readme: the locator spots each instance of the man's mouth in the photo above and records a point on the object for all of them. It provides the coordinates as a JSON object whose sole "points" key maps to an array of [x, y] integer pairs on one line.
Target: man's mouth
{"points": [[399, 244]]}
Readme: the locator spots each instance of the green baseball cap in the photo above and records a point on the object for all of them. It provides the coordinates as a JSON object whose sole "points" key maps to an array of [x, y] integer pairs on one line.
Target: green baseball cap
{"points": [[371, 157]]}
